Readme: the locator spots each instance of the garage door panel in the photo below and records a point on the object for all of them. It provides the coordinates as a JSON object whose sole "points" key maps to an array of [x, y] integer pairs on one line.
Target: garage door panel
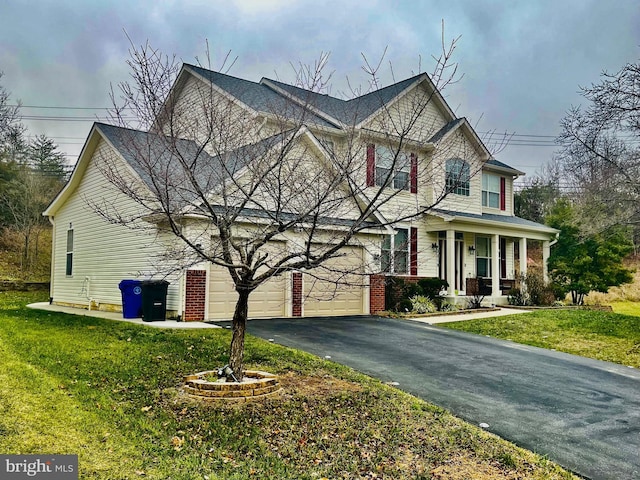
{"points": [[266, 301], [329, 291]]}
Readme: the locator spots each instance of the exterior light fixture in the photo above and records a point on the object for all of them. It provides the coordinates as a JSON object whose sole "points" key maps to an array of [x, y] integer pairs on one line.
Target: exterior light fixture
{"points": [[472, 249], [435, 247], [227, 371]]}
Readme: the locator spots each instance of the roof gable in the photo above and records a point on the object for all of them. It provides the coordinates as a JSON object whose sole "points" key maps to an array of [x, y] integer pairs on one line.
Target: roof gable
{"points": [[258, 97], [274, 97]]}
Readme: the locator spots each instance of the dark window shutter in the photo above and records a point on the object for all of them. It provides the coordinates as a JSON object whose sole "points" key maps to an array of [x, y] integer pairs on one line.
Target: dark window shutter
{"points": [[371, 165], [503, 193], [413, 252], [413, 177]]}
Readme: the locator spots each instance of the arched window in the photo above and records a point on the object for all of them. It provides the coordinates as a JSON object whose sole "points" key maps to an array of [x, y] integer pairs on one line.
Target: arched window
{"points": [[458, 174]]}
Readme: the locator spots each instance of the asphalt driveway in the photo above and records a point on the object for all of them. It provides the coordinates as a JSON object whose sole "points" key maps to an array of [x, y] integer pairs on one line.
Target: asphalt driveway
{"points": [[581, 413]]}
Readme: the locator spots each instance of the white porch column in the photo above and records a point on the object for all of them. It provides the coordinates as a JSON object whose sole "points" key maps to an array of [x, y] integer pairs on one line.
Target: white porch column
{"points": [[451, 257], [523, 256], [546, 251], [495, 266]]}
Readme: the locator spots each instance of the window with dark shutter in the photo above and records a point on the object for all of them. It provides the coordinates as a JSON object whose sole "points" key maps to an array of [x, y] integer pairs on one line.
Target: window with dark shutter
{"points": [[371, 165], [389, 168]]}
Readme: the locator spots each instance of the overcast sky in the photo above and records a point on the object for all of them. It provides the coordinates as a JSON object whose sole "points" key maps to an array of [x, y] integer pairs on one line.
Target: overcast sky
{"points": [[523, 61]]}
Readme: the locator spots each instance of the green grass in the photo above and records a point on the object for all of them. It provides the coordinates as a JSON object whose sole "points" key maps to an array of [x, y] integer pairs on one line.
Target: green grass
{"points": [[601, 335], [110, 392], [626, 308]]}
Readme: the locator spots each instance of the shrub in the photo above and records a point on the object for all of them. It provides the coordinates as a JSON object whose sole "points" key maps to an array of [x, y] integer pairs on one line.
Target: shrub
{"points": [[447, 307], [534, 291], [519, 297], [431, 288], [422, 304], [404, 305]]}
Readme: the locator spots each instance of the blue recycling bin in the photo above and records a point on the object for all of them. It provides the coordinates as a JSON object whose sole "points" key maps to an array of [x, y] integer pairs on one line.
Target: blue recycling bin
{"points": [[131, 298]]}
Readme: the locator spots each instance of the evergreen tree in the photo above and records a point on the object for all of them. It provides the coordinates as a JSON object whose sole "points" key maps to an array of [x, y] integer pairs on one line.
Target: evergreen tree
{"points": [[581, 263]]}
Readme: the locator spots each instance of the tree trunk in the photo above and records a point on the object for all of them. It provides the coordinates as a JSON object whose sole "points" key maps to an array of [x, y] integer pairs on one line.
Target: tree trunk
{"points": [[236, 354], [25, 253]]}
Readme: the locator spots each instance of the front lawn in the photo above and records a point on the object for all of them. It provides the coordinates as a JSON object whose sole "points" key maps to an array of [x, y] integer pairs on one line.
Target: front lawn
{"points": [[601, 335], [626, 308], [109, 391]]}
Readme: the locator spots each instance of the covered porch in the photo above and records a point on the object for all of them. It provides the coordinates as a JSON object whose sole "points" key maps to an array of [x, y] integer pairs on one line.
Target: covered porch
{"points": [[485, 254]]}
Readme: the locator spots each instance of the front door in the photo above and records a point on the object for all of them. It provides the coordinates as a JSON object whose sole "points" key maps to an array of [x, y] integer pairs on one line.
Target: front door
{"points": [[458, 259]]}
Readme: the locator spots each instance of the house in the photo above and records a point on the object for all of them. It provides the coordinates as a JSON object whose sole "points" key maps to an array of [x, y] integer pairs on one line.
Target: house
{"points": [[466, 231]]}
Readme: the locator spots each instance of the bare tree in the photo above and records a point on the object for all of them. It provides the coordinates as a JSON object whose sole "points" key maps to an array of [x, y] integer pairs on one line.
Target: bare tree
{"points": [[9, 117], [228, 184], [600, 154]]}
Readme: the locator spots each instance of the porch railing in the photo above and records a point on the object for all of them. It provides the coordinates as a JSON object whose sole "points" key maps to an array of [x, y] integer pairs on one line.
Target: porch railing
{"points": [[483, 286]]}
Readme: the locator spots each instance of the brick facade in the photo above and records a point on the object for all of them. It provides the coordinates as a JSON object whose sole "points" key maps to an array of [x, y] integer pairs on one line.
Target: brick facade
{"points": [[195, 296], [296, 290], [376, 294]]}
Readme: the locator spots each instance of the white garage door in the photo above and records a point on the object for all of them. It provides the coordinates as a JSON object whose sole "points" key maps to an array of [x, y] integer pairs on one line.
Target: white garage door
{"points": [[329, 292], [267, 301]]}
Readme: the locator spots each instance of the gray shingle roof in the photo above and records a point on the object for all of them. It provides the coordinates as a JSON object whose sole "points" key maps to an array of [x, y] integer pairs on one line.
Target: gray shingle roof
{"points": [[507, 220], [155, 156], [496, 163], [152, 155], [351, 111], [446, 129], [263, 98], [259, 97]]}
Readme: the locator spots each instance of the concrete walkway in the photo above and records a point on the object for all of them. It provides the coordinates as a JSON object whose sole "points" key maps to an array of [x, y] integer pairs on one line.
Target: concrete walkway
{"points": [[430, 320], [118, 316], [460, 317]]}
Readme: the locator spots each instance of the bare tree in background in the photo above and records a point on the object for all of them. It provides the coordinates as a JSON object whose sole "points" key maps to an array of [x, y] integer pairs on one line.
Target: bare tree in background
{"points": [[227, 185], [600, 152]]}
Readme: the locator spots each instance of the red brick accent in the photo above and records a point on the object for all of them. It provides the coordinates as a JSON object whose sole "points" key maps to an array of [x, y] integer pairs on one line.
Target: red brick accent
{"points": [[195, 296], [296, 290], [376, 293]]}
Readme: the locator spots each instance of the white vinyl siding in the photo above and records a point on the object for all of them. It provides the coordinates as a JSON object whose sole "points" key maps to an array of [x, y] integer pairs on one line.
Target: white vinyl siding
{"points": [[103, 253]]}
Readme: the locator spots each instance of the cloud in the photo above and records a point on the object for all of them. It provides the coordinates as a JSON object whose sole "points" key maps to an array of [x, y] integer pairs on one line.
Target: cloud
{"points": [[523, 61]]}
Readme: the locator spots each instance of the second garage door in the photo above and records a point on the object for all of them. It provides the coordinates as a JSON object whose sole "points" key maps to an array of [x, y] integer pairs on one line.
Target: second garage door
{"points": [[328, 291], [267, 301]]}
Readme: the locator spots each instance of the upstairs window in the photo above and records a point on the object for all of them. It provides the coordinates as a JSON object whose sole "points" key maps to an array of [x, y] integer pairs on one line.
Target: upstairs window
{"points": [[389, 168], [458, 176], [493, 191], [490, 191]]}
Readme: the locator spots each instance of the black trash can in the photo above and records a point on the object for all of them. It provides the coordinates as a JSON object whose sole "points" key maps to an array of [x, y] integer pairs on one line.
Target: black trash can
{"points": [[154, 300], [131, 298]]}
